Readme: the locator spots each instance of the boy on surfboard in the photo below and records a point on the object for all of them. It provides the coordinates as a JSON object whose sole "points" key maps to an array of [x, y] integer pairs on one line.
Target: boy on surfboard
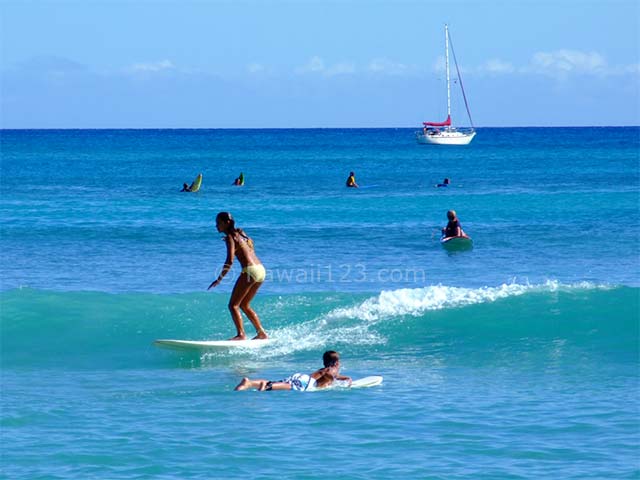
{"points": [[250, 280], [453, 228], [300, 382]]}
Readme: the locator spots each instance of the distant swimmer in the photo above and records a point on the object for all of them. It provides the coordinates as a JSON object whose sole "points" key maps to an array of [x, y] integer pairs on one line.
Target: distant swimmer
{"points": [[351, 181], [453, 228], [445, 183], [240, 180], [185, 188], [249, 281], [300, 382]]}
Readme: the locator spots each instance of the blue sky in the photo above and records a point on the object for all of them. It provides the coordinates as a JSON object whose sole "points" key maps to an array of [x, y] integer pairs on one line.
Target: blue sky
{"points": [[255, 64]]}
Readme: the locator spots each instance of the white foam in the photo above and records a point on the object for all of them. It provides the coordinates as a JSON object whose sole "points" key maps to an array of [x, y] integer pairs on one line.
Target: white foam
{"points": [[416, 301], [312, 335]]}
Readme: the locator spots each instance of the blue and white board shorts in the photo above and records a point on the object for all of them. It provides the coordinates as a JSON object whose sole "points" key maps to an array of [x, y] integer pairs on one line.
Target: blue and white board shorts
{"points": [[300, 382]]}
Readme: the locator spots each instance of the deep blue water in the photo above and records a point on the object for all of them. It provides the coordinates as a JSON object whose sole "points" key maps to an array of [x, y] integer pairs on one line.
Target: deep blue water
{"points": [[516, 359]]}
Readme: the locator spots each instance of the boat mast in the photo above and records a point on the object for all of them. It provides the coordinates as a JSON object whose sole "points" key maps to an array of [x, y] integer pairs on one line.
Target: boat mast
{"points": [[446, 54]]}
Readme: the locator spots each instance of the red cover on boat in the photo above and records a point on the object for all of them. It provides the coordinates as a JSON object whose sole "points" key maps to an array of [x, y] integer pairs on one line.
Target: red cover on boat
{"points": [[446, 123]]}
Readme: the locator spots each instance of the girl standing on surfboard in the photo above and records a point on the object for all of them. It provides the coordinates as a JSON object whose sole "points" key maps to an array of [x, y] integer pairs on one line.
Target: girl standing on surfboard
{"points": [[253, 274]]}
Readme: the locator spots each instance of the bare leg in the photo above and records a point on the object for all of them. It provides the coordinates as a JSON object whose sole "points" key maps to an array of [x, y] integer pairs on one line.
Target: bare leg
{"points": [[243, 292], [250, 313], [261, 385], [240, 289], [246, 383]]}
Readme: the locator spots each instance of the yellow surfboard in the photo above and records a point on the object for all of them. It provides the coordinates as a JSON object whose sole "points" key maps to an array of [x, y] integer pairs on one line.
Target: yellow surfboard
{"points": [[195, 186]]}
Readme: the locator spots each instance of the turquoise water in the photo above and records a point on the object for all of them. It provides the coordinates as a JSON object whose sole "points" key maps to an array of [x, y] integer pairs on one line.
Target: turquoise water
{"points": [[517, 359]]}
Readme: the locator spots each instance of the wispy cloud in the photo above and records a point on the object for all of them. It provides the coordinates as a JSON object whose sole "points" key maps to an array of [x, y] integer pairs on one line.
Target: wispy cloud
{"points": [[314, 65], [388, 67], [379, 66], [558, 64], [257, 68], [151, 67], [497, 67], [564, 62], [343, 68]]}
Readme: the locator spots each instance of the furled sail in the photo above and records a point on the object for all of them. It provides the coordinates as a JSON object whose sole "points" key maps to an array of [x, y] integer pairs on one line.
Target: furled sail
{"points": [[446, 123]]}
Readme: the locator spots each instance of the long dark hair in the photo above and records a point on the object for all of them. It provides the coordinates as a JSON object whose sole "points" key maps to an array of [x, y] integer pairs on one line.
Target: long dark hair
{"points": [[226, 217]]}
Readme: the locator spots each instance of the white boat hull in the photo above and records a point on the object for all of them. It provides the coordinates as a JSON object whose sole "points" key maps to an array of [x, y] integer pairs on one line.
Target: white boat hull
{"points": [[451, 137]]}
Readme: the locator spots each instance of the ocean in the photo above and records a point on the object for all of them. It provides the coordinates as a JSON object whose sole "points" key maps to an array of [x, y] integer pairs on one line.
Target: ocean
{"points": [[518, 358]]}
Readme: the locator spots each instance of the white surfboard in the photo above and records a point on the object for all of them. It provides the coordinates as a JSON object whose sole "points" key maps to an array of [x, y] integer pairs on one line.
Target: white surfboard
{"points": [[211, 344], [365, 382]]}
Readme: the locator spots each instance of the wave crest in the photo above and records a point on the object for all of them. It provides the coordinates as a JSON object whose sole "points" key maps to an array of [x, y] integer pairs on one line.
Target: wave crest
{"points": [[416, 301]]}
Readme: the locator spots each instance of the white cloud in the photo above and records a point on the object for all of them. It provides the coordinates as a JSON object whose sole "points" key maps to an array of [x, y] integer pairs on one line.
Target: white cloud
{"points": [[440, 66], [557, 64], [258, 68], [314, 65], [496, 67], [343, 68], [386, 66], [152, 67], [563, 62]]}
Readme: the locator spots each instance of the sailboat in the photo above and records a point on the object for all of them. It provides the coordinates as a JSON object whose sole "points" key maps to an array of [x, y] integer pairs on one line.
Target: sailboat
{"points": [[442, 133]]}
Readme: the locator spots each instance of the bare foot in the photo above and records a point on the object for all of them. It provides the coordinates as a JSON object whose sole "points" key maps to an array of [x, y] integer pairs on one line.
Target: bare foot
{"points": [[244, 384], [239, 337], [262, 335]]}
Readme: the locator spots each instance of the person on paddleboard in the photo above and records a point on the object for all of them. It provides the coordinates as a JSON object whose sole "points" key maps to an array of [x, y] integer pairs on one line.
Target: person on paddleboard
{"points": [[453, 228], [239, 245], [300, 382]]}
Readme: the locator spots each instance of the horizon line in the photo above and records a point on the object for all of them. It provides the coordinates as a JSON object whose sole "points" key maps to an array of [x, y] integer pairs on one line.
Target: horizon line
{"points": [[305, 128]]}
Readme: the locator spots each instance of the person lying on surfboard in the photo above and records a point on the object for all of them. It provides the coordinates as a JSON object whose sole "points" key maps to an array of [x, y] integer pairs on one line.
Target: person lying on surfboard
{"points": [[249, 281], [453, 228], [300, 382]]}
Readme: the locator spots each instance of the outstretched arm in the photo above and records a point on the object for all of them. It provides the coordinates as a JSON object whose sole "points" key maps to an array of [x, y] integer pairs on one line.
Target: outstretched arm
{"points": [[231, 250]]}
